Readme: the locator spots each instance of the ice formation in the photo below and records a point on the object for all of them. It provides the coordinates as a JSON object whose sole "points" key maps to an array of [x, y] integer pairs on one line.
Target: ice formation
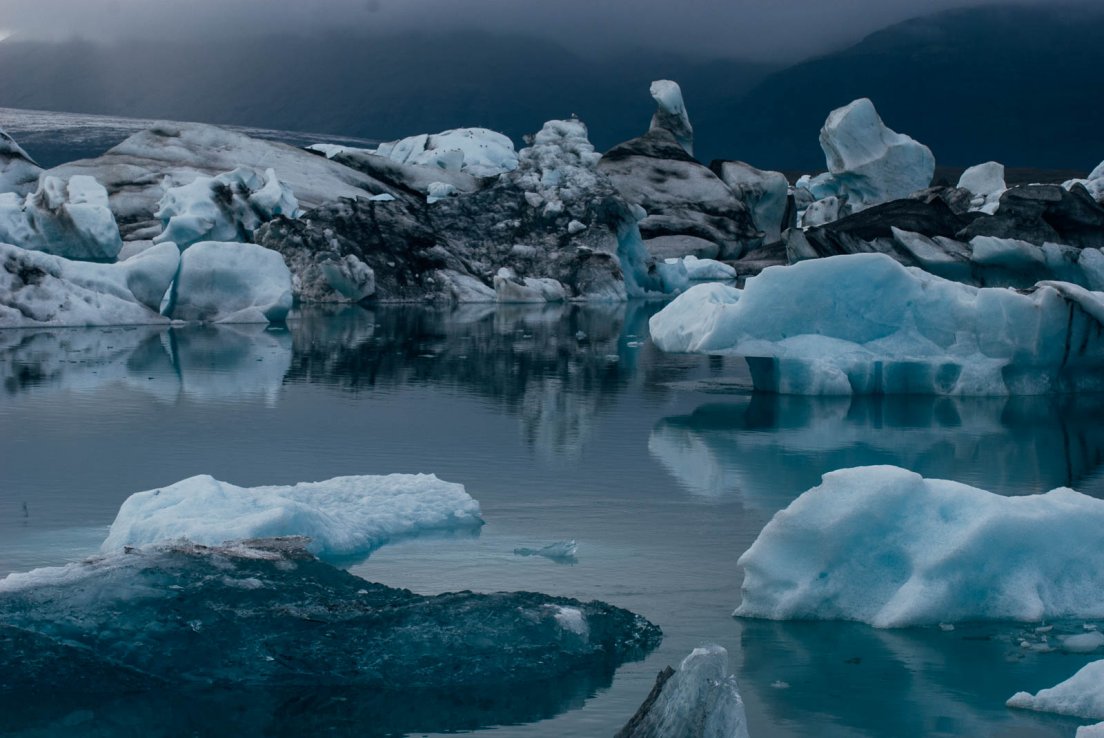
{"points": [[510, 288], [986, 183], [562, 552], [1082, 695], [670, 114], [267, 613], [228, 207], [18, 171], [478, 151], [765, 193], [1094, 183], [703, 270], [344, 516], [700, 700], [863, 323], [230, 283], [38, 289], [868, 162], [884, 546], [68, 218]]}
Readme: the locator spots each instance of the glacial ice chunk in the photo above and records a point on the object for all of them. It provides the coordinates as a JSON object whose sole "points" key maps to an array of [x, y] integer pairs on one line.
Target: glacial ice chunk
{"points": [[670, 113], [510, 288], [986, 183], [230, 283], [700, 700], [562, 552], [868, 162], [18, 171], [68, 218], [269, 614], [1082, 695], [480, 152], [884, 546], [344, 516], [863, 323], [38, 289], [228, 207]]}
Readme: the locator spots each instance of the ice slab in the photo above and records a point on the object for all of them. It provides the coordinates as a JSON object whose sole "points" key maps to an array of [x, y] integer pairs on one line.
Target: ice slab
{"points": [[884, 546], [1082, 695], [344, 516]]}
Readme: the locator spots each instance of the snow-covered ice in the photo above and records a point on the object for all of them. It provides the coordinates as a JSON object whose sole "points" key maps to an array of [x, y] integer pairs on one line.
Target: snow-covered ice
{"points": [[344, 516], [700, 700], [38, 289], [986, 183], [1082, 695], [227, 207], [67, 218], [884, 546], [868, 162], [230, 283], [863, 323], [480, 152]]}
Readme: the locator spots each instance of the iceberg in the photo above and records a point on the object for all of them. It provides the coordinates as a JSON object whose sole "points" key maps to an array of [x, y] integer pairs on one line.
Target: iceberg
{"points": [[18, 171], [1082, 695], [229, 207], [868, 162], [863, 323], [765, 194], [480, 152], [269, 614], [68, 218], [230, 283], [38, 289], [344, 516], [670, 114], [986, 183], [884, 546], [700, 700], [562, 552]]}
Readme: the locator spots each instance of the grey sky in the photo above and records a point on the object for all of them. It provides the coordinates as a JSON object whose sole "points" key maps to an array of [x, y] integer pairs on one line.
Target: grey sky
{"points": [[763, 29]]}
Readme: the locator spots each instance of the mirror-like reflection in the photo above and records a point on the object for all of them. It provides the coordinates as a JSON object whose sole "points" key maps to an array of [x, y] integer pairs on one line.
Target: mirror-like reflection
{"points": [[768, 448], [567, 425]]}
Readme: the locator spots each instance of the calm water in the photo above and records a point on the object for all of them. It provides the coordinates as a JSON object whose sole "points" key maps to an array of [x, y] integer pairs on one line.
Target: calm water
{"points": [[564, 423]]}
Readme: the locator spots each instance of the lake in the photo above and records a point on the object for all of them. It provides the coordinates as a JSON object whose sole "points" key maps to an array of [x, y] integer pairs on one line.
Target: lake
{"points": [[565, 423]]}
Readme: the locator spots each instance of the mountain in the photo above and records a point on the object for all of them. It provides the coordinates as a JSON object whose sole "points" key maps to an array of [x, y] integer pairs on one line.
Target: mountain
{"points": [[360, 86], [1018, 84]]}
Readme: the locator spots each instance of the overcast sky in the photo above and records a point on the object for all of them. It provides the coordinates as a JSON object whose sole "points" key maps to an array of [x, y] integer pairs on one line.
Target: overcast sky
{"points": [[762, 29]]}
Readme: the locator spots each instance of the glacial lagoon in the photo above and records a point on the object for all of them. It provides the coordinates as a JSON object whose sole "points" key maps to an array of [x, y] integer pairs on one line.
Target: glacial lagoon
{"points": [[565, 423]]}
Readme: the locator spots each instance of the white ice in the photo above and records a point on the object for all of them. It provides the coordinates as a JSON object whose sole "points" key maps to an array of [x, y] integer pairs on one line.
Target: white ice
{"points": [[510, 288], [671, 113], [344, 516], [986, 183], [884, 546], [227, 207], [478, 151], [1082, 695], [863, 323], [868, 162], [38, 289], [68, 218], [18, 171], [230, 283], [701, 700]]}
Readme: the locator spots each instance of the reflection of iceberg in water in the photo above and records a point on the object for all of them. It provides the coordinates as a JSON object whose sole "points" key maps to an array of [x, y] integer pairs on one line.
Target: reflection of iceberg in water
{"points": [[770, 448], [910, 683], [201, 363]]}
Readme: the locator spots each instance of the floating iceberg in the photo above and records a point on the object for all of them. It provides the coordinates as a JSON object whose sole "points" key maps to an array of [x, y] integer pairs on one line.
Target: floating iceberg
{"points": [[765, 194], [1082, 695], [986, 183], [864, 324], [700, 700], [267, 613], [229, 207], [345, 516], [230, 283], [64, 218], [868, 162], [38, 289], [562, 552], [884, 546]]}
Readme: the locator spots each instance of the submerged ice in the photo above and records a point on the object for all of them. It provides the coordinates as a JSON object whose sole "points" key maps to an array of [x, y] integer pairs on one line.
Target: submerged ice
{"points": [[884, 546], [344, 516]]}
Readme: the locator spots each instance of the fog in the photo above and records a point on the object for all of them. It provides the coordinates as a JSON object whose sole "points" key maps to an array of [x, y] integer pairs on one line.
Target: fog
{"points": [[773, 30]]}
